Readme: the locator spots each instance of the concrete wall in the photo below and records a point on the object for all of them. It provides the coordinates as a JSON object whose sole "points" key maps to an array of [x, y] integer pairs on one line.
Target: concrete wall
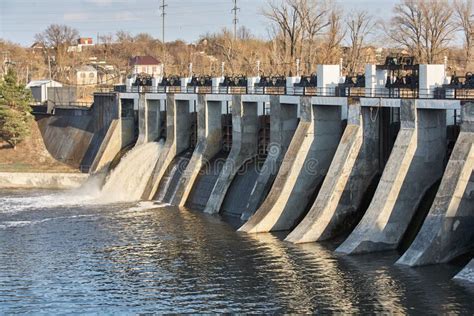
{"points": [[149, 123], [447, 231], [415, 164], [208, 145], [119, 135], [17, 180], [76, 139], [153, 120], [352, 171], [67, 138], [283, 123], [62, 95], [430, 77], [303, 169], [178, 131], [244, 147]]}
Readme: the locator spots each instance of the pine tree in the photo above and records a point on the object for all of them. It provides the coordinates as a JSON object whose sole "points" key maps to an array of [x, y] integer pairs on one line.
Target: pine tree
{"points": [[15, 110]]}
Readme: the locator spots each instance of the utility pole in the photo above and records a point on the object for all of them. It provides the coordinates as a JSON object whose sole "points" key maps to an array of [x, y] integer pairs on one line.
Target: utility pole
{"points": [[163, 14], [49, 66], [236, 20]]}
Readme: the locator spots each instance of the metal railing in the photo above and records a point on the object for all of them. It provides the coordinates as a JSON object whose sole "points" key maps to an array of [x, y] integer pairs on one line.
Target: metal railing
{"points": [[73, 104], [338, 91]]}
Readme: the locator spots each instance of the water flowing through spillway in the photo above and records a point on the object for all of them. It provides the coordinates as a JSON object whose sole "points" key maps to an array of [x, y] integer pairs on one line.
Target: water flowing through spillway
{"points": [[128, 180], [205, 182], [169, 184], [238, 194]]}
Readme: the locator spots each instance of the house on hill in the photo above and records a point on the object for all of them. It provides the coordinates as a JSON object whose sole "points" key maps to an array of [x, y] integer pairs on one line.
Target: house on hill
{"points": [[146, 64], [86, 75]]}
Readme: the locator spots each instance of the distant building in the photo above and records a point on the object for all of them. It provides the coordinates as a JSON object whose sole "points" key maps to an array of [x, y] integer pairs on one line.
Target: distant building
{"points": [[81, 42], [39, 89], [37, 47], [146, 64], [107, 75], [86, 75], [85, 41]]}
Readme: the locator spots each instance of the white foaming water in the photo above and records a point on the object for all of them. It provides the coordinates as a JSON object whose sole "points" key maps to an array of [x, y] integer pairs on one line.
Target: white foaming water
{"points": [[126, 183], [128, 180], [40, 200]]}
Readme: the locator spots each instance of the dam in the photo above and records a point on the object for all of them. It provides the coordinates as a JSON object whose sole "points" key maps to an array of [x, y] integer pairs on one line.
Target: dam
{"points": [[386, 163], [288, 194]]}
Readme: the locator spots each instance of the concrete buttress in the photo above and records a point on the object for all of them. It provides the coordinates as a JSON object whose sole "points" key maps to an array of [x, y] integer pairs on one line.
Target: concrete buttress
{"points": [[244, 147], [351, 172], [466, 274], [447, 231], [208, 145], [303, 168], [415, 164], [178, 122], [283, 123], [142, 120]]}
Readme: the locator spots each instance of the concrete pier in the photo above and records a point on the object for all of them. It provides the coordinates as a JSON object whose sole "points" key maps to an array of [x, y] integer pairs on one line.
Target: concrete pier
{"points": [[352, 170], [208, 145], [117, 135], [466, 274], [244, 147], [303, 168], [415, 164], [283, 123], [178, 131], [148, 119], [447, 230]]}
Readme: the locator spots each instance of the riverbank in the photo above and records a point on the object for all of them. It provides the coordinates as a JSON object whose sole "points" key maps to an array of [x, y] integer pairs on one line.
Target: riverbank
{"points": [[31, 180]]}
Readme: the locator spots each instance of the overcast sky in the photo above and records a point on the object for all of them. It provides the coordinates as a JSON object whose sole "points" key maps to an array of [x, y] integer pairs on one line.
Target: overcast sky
{"points": [[20, 20]]}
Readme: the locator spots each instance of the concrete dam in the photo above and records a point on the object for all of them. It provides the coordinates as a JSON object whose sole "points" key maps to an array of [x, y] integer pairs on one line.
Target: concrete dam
{"points": [[378, 162]]}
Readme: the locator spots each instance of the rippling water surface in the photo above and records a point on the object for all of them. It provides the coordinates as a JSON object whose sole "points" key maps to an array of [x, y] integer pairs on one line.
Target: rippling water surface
{"points": [[58, 256]]}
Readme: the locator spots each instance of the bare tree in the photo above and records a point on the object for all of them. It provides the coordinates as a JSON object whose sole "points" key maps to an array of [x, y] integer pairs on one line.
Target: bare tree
{"points": [[124, 36], [439, 29], [57, 38], [313, 16], [424, 27], [334, 37], [406, 27], [359, 25], [285, 15], [463, 10]]}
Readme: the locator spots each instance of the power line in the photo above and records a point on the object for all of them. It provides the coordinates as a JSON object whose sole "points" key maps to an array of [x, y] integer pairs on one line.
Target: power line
{"points": [[236, 20]]}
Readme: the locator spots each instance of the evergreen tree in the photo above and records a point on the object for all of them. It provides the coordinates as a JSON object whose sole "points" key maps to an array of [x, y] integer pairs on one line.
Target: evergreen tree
{"points": [[15, 110]]}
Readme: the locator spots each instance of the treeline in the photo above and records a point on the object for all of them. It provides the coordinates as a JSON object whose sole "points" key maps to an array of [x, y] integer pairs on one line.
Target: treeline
{"points": [[321, 31], [301, 34]]}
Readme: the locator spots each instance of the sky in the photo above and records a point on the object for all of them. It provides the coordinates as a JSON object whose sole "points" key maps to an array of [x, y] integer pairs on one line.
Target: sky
{"points": [[186, 20]]}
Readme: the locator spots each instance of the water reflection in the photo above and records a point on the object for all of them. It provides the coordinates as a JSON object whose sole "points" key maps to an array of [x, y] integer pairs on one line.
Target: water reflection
{"points": [[155, 258]]}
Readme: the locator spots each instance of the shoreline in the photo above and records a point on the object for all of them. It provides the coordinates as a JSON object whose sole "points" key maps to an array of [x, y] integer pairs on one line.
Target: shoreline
{"points": [[41, 180]]}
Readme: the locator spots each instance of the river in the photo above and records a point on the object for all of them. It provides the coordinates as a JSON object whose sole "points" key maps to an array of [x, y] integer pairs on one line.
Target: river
{"points": [[64, 254]]}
